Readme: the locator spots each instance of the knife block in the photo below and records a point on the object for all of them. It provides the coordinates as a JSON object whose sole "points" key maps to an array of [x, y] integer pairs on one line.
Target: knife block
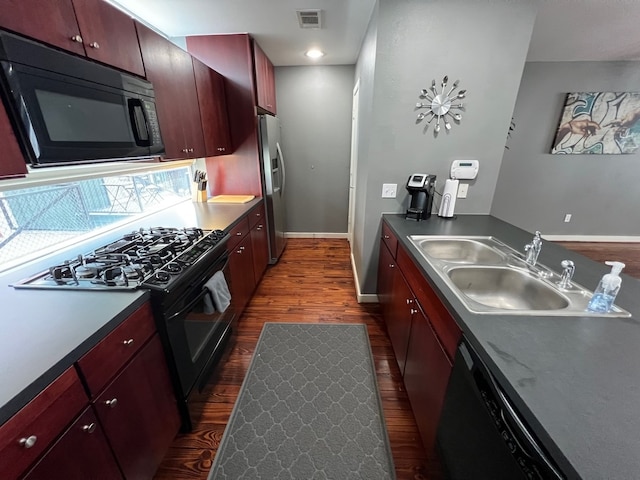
{"points": [[199, 196]]}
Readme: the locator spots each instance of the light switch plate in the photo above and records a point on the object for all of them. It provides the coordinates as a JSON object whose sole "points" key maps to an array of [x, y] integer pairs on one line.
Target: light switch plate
{"points": [[463, 188], [389, 190]]}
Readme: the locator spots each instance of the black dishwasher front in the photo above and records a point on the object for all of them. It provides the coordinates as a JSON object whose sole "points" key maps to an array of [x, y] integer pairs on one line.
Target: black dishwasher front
{"points": [[480, 435]]}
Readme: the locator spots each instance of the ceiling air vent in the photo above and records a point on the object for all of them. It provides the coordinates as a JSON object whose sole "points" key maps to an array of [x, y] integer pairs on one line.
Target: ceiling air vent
{"points": [[310, 18]]}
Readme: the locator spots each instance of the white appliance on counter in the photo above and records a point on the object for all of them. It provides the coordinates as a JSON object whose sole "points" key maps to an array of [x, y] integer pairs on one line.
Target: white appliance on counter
{"points": [[449, 194]]}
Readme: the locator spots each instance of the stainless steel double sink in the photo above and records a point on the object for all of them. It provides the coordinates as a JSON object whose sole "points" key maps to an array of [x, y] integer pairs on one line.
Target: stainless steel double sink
{"points": [[489, 277]]}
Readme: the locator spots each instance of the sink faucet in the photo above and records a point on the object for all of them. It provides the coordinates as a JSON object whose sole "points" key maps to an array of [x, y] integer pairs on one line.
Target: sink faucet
{"points": [[532, 249], [568, 269]]}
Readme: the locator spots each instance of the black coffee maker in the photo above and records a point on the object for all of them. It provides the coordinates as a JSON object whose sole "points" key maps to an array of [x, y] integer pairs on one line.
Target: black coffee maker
{"points": [[421, 187]]}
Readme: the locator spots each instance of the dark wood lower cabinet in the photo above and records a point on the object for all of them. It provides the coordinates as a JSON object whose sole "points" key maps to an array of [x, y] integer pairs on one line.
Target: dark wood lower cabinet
{"points": [[81, 453], [260, 250], [243, 279], [426, 376], [423, 334], [399, 317], [139, 413]]}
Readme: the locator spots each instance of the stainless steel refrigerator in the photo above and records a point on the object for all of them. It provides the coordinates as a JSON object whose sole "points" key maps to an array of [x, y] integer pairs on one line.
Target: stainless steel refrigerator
{"points": [[272, 169]]}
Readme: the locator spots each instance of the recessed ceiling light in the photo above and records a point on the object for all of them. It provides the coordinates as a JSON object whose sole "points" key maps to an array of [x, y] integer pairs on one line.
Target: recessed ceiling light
{"points": [[314, 53]]}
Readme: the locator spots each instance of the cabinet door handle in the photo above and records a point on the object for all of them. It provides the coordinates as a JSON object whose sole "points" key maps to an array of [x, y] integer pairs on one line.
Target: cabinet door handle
{"points": [[221, 149], [413, 310], [89, 428], [191, 150], [95, 45], [391, 265], [241, 248], [185, 150], [238, 251], [409, 301], [386, 237], [28, 442], [238, 234], [128, 342], [111, 403], [77, 38]]}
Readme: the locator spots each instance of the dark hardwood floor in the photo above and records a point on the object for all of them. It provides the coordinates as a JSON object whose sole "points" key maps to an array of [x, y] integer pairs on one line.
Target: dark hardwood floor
{"points": [[628, 253], [313, 282]]}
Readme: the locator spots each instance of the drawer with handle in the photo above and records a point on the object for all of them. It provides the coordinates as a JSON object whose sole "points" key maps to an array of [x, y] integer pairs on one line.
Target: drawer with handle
{"points": [[389, 239], [238, 233], [29, 432], [104, 360], [256, 215]]}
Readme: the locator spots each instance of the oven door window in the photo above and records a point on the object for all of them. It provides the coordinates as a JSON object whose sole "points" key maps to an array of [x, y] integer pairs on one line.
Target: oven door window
{"points": [[200, 324], [194, 332]]}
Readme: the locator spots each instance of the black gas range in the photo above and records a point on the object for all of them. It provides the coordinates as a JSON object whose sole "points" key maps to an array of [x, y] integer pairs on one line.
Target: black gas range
{"points": [[188, 275], [154, 258]]}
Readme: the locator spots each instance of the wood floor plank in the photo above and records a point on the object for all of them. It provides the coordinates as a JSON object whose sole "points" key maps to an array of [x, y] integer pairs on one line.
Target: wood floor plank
{"points": [[312, 282]]}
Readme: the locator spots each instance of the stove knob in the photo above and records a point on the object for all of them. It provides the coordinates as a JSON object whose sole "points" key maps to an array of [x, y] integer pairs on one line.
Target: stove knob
{"points": [[162, 277]]}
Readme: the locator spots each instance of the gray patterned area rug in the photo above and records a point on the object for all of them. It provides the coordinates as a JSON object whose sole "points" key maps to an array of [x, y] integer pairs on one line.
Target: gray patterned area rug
{"points": [[309, 408]]}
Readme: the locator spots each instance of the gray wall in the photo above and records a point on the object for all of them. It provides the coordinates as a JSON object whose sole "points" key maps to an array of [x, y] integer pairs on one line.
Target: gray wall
{"points": [[536, 189], [415, 42], [314, 106]]}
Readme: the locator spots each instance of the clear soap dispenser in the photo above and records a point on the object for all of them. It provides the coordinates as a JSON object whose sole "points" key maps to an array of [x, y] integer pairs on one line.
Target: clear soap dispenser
{"points": [[608, 288]]}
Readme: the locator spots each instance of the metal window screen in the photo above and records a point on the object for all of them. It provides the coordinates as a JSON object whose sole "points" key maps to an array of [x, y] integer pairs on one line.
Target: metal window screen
{"points": [[35, 220]]}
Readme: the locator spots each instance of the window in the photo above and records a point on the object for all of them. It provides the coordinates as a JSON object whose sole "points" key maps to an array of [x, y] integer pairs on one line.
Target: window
{"points": [[40, 219]]}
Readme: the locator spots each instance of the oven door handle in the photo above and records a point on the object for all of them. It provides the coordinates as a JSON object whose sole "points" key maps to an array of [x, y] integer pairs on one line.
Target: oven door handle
{"points": [[192, 303]]}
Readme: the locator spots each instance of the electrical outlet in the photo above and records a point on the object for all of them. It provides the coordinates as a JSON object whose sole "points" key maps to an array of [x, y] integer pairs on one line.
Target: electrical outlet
{"points": [[463, 188], [389, 190], [567, 218]]}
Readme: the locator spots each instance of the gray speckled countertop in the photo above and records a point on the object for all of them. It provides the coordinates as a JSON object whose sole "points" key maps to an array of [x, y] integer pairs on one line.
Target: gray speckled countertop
{"points": [[576, 380], [42, 332]]}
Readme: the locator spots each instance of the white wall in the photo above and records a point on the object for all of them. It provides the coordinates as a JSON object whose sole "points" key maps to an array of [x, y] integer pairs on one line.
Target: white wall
{"points": [[481, 42]]}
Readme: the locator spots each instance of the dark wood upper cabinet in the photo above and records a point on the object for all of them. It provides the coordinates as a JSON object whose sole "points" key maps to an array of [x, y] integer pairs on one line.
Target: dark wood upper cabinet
{"points": [[12, 162], [109, 35], [86, 27], [50, 21], [213, 110], [170, 69], [265, 81]]}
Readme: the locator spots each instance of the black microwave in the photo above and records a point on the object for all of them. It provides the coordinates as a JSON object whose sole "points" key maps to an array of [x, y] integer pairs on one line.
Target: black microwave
{"points": [[67, 109]]}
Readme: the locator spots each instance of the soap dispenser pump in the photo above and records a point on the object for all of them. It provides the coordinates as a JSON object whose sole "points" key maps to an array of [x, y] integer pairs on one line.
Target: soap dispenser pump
{"points": [[608, 288]]}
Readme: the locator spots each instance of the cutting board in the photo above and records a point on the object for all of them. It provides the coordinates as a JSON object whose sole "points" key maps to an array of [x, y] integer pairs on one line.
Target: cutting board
{"points": [[231, 198]]}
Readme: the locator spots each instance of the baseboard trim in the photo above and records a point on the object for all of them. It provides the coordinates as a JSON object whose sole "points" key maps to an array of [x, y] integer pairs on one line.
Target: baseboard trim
{"points": [[315, 235], [361, 297], [593, 238]]}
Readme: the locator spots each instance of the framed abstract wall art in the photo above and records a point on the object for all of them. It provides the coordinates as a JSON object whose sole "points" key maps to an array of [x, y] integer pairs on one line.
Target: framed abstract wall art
{"points": [[599, 123]]}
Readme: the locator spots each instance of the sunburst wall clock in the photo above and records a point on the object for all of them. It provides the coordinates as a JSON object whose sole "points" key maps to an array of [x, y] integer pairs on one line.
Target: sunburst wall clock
{"points": [[439, 105]]}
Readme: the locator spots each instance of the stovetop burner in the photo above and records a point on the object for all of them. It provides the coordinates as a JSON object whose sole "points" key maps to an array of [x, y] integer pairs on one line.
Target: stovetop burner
{"points": [[151, 258]]}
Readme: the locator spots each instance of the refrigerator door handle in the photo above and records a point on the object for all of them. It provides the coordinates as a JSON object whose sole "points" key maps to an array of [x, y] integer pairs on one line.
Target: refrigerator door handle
{"points": [[284, 176]]}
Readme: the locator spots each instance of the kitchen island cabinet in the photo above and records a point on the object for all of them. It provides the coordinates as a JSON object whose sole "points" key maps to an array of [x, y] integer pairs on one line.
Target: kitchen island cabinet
{"points": [[415, 337], [12, 163], [91, 28], [575, 393], [170, 69]]}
